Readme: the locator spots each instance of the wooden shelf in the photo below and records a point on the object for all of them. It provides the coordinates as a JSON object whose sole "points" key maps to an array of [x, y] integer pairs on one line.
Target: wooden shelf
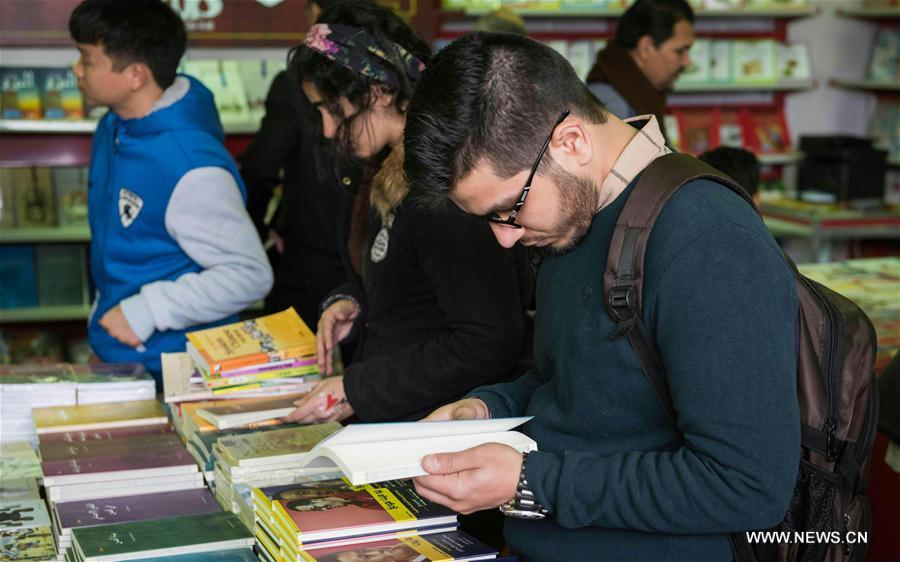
{"points": [[798, 12], [45, 313], [870, 85], [729, 87], [871, 13], [39, 235]]}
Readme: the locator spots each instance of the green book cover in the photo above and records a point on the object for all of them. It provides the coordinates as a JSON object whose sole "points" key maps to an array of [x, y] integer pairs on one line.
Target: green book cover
{"points": [[241, 448], [172, 535]]}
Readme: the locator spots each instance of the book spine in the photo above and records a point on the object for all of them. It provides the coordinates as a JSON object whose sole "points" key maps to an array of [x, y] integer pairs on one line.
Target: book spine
{"points": [[215, 382], [259, 359], [278, 365]]}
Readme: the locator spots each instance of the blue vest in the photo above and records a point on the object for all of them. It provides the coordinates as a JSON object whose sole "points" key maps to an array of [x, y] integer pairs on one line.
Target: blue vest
{"points": [[135, 166]]}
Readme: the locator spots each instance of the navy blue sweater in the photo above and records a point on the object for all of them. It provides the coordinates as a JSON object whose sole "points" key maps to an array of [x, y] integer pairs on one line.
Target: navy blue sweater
{"points": [[620, 482]]}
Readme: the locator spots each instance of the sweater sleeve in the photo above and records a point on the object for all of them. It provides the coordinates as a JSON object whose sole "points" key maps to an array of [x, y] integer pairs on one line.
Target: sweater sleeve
{"points": [[509, 399], [206, 216], [475, 283], [275, 142], [725, 322]]}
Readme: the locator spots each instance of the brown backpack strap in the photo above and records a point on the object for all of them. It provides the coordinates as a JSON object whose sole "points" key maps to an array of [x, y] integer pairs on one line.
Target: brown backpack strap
{"points": [[623, 278]]}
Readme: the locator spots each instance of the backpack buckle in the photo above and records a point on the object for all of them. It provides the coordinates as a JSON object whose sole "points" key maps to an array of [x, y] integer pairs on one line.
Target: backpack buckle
{"points": [[621, 302]]}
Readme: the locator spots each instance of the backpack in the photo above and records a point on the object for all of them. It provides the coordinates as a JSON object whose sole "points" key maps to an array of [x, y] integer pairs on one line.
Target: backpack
{"points": [[835, 378]]}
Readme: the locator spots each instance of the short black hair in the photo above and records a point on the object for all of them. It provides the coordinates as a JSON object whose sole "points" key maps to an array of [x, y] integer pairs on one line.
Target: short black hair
{"points": [[333, 80], [488, 95], [656, 18], [130, 31], [742, 165]]}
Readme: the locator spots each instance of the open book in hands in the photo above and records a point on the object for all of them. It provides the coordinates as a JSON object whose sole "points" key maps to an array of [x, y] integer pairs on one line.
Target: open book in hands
{"points": [[375, 452]]}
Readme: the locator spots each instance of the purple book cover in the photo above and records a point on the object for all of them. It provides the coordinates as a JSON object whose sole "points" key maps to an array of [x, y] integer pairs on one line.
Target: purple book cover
{"points": [[104, 434], [86, 513], [106, 447], [135, 460]]}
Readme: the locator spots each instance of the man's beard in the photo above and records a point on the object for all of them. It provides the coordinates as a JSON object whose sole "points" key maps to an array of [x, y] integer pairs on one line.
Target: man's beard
{"points": [[578, 202]]}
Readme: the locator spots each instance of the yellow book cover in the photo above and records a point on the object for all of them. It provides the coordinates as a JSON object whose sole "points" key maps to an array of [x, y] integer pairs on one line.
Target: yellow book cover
{"points": [[261, 340], [98, 416]]}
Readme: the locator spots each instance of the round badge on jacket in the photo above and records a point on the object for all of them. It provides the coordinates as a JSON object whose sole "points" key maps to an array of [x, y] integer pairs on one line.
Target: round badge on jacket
{"points": [[382, 239]]}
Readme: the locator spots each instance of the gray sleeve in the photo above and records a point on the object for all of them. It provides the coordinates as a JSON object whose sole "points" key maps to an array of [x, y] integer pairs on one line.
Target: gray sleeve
{"points": [[613, 101], [206, 215]]}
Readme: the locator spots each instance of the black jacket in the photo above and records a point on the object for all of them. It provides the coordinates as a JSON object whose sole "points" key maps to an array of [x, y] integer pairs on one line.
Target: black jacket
{"points": [[443, 311], [307, 217]]}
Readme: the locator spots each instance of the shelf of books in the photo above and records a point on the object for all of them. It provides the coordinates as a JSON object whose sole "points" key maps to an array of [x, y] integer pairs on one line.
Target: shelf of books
{"points": [[43, 235], [45, 313], [786, 86]]}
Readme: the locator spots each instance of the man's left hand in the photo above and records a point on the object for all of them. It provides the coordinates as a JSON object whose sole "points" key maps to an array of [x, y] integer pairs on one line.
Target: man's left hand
{"points": [[117, 325], [482, 477]]}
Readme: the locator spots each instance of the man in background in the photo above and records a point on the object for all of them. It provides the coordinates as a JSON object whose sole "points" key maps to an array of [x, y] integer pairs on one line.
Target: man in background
{"points": [[640, 65]]}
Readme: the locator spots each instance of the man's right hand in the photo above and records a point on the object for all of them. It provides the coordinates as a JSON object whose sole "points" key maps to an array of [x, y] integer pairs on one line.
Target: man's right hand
{"points": [[334, 325], [465, 409]]}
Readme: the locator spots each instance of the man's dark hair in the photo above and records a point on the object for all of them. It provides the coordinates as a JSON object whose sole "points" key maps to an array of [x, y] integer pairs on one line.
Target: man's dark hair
{"points": [[493, 96], [333, 80], [656, 18], [740, 164], [146, 31]]}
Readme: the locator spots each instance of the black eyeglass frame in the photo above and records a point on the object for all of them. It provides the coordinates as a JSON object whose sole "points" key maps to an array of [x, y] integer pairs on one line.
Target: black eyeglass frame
{"points": [[510, 220]]}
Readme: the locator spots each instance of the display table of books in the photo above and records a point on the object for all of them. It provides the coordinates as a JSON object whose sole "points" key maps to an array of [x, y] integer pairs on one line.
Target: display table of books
{"points": [[104, 473]]}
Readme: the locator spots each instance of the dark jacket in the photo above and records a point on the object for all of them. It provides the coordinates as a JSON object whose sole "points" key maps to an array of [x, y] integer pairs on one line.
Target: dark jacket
{"points": [[307, 217], [443, 311], [619, 481]]}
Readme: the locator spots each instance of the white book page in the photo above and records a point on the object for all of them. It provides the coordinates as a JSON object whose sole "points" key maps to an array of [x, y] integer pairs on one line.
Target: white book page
{"points": [[365, 433]]}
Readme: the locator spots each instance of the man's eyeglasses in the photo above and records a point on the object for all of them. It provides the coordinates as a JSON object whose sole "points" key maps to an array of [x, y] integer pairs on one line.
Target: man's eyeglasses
{"points": [[510, 220]]}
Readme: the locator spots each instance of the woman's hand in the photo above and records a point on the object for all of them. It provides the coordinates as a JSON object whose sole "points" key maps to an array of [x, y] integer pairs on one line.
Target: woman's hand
{"points": [[325, 402], [334, 325]]}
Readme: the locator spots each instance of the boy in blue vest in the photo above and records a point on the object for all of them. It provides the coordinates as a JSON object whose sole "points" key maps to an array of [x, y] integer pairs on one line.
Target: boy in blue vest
{"points": [[172, 246]]}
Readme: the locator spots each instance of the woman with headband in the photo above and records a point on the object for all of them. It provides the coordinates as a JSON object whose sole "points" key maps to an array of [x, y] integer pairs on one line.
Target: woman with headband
{"points": [[437, 307]]}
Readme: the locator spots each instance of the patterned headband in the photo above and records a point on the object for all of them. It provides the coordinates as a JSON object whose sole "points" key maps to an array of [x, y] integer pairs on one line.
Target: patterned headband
{"points": [[357, 50]]}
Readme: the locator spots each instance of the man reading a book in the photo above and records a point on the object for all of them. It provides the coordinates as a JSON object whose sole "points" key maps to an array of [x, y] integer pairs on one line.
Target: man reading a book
{"points": [[501, 126], [640, 64]]}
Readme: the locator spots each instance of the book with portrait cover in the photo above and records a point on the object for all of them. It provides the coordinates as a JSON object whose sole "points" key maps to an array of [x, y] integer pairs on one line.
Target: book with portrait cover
{"points": [[165, 537], [440, 547], [275, 337], [334, 509]]}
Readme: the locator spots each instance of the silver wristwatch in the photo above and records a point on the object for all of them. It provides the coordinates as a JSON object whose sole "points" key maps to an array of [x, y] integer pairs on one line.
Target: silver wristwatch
{"points": [[523, 505]]}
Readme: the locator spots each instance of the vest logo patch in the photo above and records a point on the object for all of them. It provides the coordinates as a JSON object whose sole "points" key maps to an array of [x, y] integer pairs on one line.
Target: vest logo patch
{"points": [[130, 205]]}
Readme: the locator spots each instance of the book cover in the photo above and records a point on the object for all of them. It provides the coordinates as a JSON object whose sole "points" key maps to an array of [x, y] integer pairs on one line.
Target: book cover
{"points": [[884, 65], [35, 204], [700, 69], [335, 508], [262, 340], [223, 78], [69, 437], [18, 489], [107, 447], [754, 61], [23, 514], [71, 196], [440, 547], [98, 416], [61, 274], [60, 96], [244, 449], [143, 507], [771, 133], [7, 199], [731, 128], [21, 95], [793, 62], [696, 131], [123, 460], [18, 282], [230, 555], [18, 459], [254, 410], [720, 61], [27, 544], [257, 76], [161, 537]]}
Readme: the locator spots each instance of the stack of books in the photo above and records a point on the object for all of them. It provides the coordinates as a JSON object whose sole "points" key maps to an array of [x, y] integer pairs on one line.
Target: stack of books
{"points": [[145, 457], [68, 516], [294, 518], [276, 349], [221, 533], [27, 386], [438, 547], [25, 530], [265, 459]]}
